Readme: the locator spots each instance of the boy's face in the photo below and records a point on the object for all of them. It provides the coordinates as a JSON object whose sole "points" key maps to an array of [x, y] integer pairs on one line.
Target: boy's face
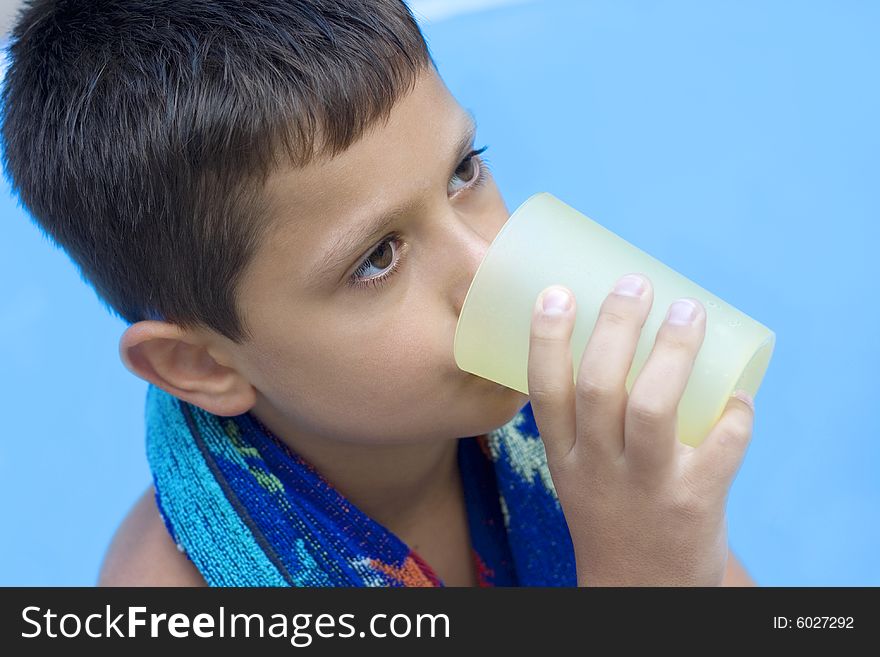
{"points": [[372, 364]]}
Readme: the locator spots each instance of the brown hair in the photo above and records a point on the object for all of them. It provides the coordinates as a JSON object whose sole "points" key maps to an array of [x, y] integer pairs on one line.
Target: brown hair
{"points": [[138, 134]]}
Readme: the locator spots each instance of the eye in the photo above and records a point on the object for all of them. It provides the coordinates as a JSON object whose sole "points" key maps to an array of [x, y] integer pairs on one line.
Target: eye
{"points": [[382, 258], [471, 172]]}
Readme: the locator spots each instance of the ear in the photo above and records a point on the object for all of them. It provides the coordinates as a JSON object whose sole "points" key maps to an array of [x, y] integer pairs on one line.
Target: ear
{"points": [[180, 363]]}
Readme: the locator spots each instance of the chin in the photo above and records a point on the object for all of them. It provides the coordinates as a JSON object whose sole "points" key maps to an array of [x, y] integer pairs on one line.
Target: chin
{"points": [[510, 401]]}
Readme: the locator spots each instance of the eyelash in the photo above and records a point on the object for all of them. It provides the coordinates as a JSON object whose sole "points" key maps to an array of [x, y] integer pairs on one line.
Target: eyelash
{"points": [[355, 280]]}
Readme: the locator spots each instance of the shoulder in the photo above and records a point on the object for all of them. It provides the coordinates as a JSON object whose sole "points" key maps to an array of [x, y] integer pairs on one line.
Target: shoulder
{"points": [[143, 554], [736, 574]]}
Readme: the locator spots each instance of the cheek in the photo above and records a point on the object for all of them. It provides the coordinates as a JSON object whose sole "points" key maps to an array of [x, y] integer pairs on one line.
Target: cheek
{"points": [[375, 342], [405, 349], [394, 368]]}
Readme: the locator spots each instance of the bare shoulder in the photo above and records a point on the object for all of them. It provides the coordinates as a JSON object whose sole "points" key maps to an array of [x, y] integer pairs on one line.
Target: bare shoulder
{"points": [[143, 554], [736, 574]]}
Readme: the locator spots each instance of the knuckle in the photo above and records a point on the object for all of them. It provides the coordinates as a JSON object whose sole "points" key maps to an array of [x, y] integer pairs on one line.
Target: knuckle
{"points": [[692, 505], [693, 486], [737, 433], [544, 338], [549, 329], [541, 390], [592, 391], [676, 341], [612, 317], [645, 412]]}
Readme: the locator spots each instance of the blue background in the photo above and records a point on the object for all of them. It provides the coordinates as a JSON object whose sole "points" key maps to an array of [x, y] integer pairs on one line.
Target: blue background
{"points": [[737, 142]]}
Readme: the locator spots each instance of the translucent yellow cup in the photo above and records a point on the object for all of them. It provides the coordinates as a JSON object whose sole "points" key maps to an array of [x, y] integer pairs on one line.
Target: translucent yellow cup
{"points": [[547, 242]]}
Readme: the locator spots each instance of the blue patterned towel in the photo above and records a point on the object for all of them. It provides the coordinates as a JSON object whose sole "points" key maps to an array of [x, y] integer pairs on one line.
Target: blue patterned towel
{"points": [[248, 511]]}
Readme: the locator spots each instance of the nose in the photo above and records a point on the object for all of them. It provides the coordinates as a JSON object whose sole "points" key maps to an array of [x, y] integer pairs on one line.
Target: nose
{"points": [[467, 246]]}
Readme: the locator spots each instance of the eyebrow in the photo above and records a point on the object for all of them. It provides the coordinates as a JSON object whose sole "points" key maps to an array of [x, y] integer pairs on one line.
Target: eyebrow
{"points": [[349, 243]]}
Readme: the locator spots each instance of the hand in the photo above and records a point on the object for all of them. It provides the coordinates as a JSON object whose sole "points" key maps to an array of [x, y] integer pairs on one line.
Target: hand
{"points": [[643, 508]]}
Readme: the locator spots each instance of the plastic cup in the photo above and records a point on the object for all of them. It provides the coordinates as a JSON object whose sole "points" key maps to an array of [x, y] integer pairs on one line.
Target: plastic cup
{"points": [[547, 242]]}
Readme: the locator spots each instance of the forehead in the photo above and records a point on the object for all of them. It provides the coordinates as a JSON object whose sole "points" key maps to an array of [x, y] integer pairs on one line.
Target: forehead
{"points": [[417, 123], [392, 163]]}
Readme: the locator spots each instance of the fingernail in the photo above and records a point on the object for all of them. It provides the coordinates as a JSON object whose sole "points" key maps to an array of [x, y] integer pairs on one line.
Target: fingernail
{"points": [[682, 312], [742, 395], [555, 302], [630, 285]]}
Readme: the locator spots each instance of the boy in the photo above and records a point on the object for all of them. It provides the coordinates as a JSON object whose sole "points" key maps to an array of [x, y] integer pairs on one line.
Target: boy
{"points": [[285, 203]]}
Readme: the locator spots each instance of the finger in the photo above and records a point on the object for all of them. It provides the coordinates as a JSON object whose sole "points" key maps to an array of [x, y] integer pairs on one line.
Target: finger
{"points": [[652, 409], [712, 465], [601, 387], [551, 374]]}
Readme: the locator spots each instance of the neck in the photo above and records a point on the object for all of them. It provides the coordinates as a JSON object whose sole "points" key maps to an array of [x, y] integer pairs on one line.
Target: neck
{"points": [[396, 485]]}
